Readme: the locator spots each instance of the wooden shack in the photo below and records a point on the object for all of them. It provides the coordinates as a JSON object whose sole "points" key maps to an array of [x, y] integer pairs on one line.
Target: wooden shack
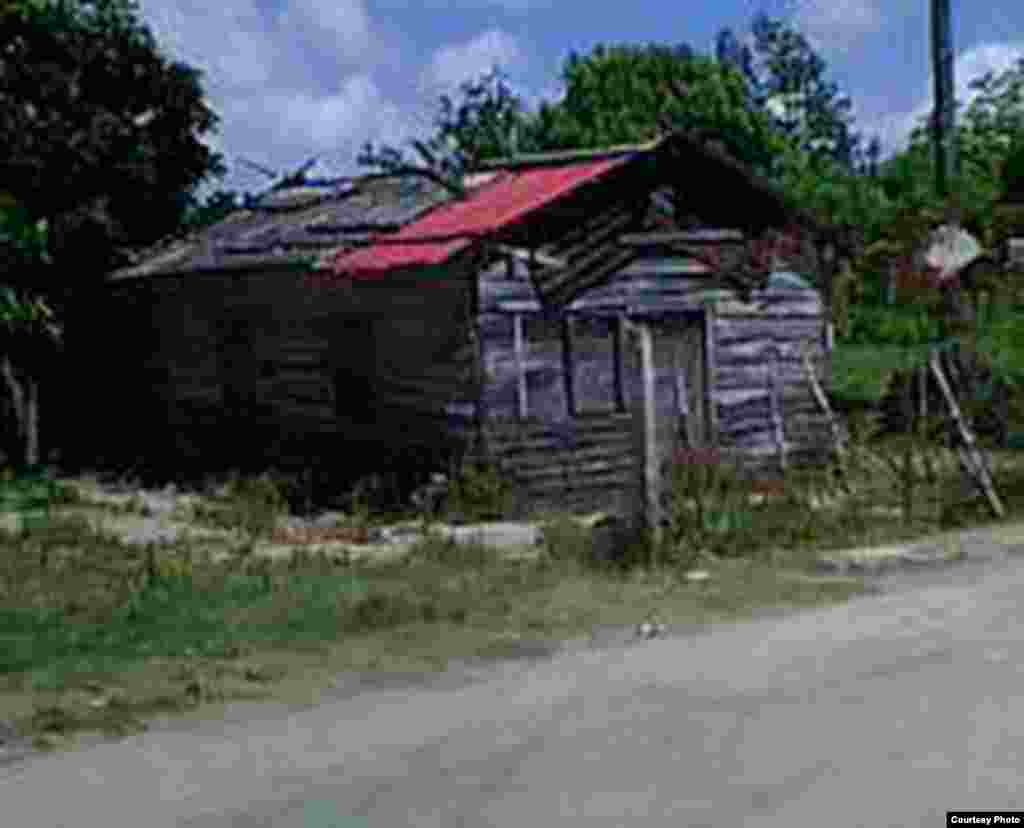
{"points": [[496, 324]]}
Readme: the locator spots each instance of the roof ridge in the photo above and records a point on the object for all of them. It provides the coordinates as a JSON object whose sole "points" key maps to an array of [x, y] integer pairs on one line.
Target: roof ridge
{"points": [[565, 156]]}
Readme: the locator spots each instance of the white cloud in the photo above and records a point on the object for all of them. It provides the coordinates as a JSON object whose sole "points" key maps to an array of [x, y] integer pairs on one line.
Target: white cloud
{"points": [[357, 112], [273, 77], [229, 41], [341, 26], [895, 128], [452, 65], [833, 26]]}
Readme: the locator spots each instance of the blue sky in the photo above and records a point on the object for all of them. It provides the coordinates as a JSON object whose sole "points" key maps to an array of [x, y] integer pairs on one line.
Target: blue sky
{"points": [[295, 78]]}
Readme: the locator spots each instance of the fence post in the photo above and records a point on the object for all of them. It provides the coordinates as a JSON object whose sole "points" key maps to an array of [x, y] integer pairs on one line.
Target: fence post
{"points": [[649, 510]]}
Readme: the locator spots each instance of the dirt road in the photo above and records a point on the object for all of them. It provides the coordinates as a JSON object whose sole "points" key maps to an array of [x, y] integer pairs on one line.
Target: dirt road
{"points": [[884, 712]]}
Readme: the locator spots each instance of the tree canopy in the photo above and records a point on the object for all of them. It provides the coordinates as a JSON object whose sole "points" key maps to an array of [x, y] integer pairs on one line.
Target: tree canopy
{"points": [[620, 94], [100, 133]]}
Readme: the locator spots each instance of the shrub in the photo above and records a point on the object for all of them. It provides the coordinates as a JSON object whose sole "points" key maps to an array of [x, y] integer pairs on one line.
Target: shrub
{"points": [[252, 505], [477, 491], [709, 509]]}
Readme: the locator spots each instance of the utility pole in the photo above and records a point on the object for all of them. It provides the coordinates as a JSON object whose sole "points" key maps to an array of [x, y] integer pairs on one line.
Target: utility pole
{"points": [[944, 114]]}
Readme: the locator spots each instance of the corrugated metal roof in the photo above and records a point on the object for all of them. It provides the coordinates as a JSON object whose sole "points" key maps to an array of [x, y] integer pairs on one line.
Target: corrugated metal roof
{"points": [[445, 231], [284, 224]]}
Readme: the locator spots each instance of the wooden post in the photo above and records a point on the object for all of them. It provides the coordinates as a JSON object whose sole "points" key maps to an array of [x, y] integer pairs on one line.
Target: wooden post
{"points": [[568, 366], [970, 455], [520, 355], [823, 404], [944, 111], [710, 375], [908, 451], [617, 355], [649, 509], [776, 410]]}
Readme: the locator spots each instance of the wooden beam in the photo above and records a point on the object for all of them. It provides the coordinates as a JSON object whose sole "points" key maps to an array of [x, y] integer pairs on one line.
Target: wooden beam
{"points": [[520, 354], [649, 501], [970, 455], [532, 256], [822, 400], [710, 374], [618, 325], [681, 237], [778, 430], [568, 367], [584, 274]]}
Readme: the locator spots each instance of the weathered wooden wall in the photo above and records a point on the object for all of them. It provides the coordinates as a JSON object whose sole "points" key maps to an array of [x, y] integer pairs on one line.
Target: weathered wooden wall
{"points": [[761, 342], [585, 463], [265, 367], [721, 399]]}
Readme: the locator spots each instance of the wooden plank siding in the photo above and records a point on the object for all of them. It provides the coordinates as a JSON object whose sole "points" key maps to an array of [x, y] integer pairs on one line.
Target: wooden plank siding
{"points": [[752, 339], [517, 340], [583, 463], [260, 359], [711, 351]]}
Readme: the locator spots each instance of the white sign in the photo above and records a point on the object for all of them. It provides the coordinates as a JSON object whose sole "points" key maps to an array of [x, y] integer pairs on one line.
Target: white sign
{"points": [[949, 250]]}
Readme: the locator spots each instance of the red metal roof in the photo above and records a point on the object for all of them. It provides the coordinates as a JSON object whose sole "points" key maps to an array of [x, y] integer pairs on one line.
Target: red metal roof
{"points": [[452, 227]]}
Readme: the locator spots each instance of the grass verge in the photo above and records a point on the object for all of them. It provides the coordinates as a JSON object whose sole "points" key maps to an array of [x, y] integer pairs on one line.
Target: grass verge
{"points": [[96, 635]]}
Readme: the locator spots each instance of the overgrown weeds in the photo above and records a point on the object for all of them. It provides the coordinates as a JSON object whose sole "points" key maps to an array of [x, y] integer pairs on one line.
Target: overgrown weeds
{"points": [[250, 505], [99, 634]]}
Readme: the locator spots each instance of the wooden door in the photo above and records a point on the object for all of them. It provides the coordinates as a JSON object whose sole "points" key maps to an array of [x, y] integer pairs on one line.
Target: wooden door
{"points": [[680, 393], [680, 380]]}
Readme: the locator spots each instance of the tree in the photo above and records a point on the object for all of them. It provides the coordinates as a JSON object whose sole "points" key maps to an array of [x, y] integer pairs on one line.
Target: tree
{"points": [[99, 132], [992, 125], [26, 324], [790, 82], [100, 152], [624, 94], [215, 207], [486, 121]]}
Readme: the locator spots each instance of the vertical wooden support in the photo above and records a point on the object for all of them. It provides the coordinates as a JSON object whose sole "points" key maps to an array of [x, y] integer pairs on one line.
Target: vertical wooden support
{"points": [[776, 410], [649, 507], [618, 356], [970, 455], [710, 376], [568, 366], [822, 400], [480, 363], [681, 384], [520, 355]]}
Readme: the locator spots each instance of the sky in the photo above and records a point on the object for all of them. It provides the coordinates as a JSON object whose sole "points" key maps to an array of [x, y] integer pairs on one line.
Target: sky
{"points": [[294, 79]]}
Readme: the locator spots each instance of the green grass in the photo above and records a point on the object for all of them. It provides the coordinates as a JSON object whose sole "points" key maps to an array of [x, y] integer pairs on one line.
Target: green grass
{"points": [[860, 368], [860, 372], [96, 635]]}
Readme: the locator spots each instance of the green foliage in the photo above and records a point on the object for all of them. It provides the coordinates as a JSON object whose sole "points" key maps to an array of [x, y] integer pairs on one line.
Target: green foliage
{"points": [[988, 131], [903, 325], [250, 505], [709, 509], [621, 94], [100, 133], [790, 81], [1012, 174], [447, 551], [216, 207], [477, 492]]}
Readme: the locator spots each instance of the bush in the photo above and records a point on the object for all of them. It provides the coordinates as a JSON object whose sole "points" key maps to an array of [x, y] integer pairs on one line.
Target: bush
{"points": [[477, 491], [252, 505], [899, 325], [709, 509]]}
